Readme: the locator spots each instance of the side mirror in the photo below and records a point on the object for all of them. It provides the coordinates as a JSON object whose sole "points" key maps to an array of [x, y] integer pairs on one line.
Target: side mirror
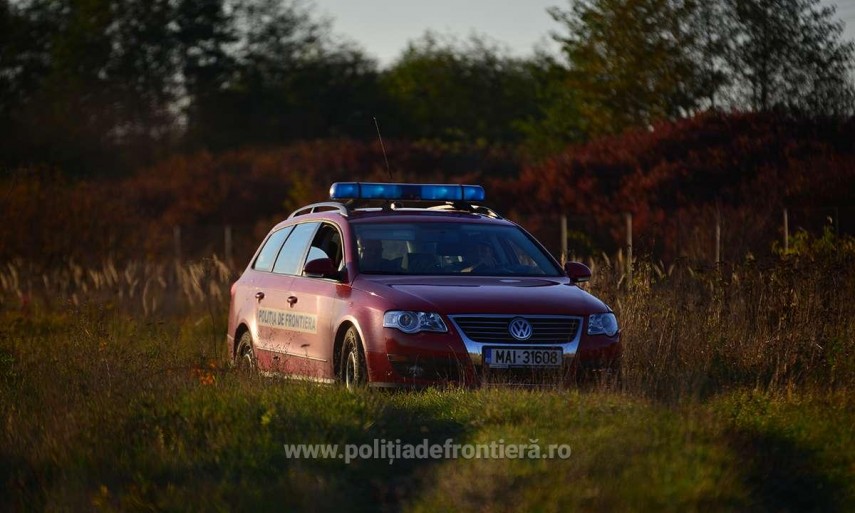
{"points": [[577, 272], [320, 268]]}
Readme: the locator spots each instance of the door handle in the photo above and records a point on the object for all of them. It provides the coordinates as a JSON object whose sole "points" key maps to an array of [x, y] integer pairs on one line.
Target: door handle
{"points": [[259, 295], [292, 300]]}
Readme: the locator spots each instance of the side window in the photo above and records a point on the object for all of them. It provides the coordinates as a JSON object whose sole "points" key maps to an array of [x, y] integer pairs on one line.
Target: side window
{"points": [[292, 252], [271, 248], [327, 244]]}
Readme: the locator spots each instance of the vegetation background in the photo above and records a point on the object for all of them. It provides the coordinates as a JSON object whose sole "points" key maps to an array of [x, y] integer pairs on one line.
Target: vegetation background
{"points": [[127, 122]]}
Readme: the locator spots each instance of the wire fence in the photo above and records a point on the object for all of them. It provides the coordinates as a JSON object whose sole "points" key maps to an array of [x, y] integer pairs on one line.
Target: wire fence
{"points": [[709, 240], [706, 240], [205, 259]]}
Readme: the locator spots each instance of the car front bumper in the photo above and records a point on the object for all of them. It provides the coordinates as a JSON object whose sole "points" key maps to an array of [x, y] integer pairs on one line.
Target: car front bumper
{"points": [[436, 359]]}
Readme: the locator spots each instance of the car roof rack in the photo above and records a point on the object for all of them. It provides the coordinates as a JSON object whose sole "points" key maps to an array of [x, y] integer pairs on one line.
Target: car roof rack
{"points": [[320, 207], [346, 208], [460, 206]]}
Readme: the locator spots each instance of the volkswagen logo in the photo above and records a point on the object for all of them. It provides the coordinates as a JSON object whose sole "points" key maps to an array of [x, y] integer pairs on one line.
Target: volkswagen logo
{"points": [[520, 329]]}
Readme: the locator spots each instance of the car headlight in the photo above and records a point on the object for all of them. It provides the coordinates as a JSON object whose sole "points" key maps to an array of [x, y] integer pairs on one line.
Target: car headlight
{"points": [[414, 322], [602, 324]]}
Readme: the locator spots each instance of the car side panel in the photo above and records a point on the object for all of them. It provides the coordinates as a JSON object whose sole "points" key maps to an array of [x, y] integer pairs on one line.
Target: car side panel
{"points": [[243, 308], [355, 308], [269, 315], [317, 303]]}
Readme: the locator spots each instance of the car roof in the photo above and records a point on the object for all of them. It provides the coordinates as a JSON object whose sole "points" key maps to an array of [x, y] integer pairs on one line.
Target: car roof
{"points": [[341, 214], [417, 215]]}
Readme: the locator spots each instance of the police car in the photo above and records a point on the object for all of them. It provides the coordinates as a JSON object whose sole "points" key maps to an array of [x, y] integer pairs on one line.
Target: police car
{"points": [[392, 285]]}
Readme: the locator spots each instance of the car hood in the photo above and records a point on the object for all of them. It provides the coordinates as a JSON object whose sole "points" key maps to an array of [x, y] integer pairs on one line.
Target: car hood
{"points": [[495, 295]]}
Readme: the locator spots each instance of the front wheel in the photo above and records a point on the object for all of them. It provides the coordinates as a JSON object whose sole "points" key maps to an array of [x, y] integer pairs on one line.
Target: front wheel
{"points": [[352, 370]]}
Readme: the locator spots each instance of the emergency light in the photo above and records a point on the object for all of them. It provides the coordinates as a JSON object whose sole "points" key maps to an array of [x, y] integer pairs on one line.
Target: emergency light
{"points": [[406, 191]]}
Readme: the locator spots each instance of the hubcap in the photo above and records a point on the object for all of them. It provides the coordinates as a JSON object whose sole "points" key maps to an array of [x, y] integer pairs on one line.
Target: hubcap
{"points": [[350, 370], [245, 362]]}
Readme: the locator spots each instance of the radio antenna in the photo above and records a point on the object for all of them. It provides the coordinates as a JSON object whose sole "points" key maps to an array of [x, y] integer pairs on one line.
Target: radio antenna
{"points": [[382, 147]]}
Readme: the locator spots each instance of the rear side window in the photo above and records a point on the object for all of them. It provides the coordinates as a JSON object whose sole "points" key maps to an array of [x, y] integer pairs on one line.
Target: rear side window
{"points": [[271, 248], [294, 249]]}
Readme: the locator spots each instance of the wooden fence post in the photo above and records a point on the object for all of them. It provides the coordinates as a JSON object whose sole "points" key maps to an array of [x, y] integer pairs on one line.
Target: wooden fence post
{"points": [[176, 241], [837, 222], [628, 249], [717, 239], [786, 232], [563, 239], [227, 235]]}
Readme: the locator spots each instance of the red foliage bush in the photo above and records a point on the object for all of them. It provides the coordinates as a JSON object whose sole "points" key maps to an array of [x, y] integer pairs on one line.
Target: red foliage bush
{"points": [[677, 177], [48, 217]]}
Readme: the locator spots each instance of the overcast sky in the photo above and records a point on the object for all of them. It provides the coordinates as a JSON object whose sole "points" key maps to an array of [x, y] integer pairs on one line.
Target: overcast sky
{"points": [[383, 27]]}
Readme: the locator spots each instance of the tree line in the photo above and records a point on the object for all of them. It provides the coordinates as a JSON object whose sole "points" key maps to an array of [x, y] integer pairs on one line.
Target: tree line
{"points": [[104, 87], [634, 62], [679, 181]]}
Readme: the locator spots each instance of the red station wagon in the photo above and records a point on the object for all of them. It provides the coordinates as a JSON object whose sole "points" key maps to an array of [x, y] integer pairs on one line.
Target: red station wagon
{"points": [[429, 288]]}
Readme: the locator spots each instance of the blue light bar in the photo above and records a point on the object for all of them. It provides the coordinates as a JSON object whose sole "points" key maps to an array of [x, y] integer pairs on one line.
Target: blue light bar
{"points": [[406, 191]]}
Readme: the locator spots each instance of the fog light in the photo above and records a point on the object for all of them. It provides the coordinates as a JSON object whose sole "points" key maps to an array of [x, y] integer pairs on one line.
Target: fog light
{"points": [[406, 366]]}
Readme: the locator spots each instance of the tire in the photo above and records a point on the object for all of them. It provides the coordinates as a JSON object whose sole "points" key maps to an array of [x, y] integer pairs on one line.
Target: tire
{"points": [[245, 361], [353, 373]]}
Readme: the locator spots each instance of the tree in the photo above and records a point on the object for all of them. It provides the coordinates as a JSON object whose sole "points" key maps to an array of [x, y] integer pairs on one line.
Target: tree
{"points": [[280, 76], [556, 121], [49, 72], [142, 75], [631, 62], [711, 40], [790, 54], [88, 82], [24, 50], [446, 90], [204, 32], [106, 86]]}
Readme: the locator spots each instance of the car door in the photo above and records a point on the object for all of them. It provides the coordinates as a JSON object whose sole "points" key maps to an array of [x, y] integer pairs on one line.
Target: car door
{"points": [[279, 325], [267, 290], [322, 299]]}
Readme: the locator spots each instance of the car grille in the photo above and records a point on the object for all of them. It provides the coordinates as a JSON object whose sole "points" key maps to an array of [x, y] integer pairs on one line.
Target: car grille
{"points": [[494, 329]]}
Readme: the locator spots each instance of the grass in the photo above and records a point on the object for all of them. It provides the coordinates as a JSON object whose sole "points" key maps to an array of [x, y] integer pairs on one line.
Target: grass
{"points": [[735, 395]]}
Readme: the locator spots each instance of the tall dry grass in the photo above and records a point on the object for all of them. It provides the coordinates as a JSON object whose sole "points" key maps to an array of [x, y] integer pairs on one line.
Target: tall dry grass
{"points": [[137, 288], [690, 333]]}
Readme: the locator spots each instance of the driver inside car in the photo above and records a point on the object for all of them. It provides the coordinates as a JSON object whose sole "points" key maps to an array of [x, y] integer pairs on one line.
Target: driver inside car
{"points": [[479, 256], [371, 256]]}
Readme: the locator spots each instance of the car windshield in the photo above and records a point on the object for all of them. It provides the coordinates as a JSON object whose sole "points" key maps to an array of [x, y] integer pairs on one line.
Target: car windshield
{"points": [[449, 249]]}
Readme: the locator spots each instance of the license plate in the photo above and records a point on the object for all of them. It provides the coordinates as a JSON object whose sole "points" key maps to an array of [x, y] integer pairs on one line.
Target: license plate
{"points": [[505, 357]]}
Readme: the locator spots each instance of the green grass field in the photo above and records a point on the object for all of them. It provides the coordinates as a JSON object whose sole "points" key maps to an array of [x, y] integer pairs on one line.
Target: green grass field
{"points": [[735, 396]]}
